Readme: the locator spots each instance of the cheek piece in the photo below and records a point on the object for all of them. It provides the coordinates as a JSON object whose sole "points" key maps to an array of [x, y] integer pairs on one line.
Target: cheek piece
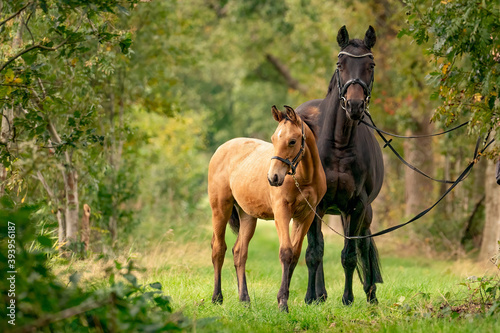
{"points": [[295, 161]]}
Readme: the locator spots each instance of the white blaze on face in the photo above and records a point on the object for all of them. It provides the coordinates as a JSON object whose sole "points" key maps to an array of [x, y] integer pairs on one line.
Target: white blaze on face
{"points": [[279, 134]]}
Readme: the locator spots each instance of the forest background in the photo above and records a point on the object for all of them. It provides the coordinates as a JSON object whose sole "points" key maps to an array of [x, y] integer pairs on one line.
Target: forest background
{"points": [[112, 109]]}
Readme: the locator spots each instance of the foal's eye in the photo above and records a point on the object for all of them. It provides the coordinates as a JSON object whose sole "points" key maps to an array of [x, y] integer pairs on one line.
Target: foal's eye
{"points": [[291, 143]]}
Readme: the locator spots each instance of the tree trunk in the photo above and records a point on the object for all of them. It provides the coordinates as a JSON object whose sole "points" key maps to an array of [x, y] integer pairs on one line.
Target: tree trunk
{"points": [[71, 189], [86, 226], [6, 134], [70, 177], [491, 231], [61, 227], [418, 152]]}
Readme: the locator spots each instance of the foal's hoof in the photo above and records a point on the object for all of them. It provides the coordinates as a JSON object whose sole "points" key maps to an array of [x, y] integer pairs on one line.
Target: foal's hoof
{"points": [[373, 301], [246, 304], [283, 308], [217, 299]]}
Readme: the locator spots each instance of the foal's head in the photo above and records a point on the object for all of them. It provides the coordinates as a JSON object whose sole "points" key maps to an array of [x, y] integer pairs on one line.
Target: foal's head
{"points": [[355, 71], [288, 141]]}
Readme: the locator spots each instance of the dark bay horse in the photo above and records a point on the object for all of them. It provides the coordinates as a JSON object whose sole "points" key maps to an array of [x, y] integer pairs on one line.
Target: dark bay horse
{"points": [[247, 180], [354, 169]]}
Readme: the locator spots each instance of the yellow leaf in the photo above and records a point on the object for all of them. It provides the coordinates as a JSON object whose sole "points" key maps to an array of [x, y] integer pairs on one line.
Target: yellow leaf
{"points": [[445, 68], [9, 76], [18, 80]]}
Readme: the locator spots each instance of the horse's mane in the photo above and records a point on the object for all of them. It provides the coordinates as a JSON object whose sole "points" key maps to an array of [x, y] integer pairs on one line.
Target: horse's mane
{"points": [[357, 43]]}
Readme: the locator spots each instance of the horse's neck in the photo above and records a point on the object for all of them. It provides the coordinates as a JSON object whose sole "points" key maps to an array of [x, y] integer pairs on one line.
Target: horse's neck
{"points": [[337, 128]]}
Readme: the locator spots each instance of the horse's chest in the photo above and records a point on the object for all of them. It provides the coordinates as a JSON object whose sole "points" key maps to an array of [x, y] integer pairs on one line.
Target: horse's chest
{"points": [[340, 178]]}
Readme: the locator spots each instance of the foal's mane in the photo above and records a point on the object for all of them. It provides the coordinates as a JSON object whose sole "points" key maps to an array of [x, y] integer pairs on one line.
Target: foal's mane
{"points": [[310, 120]]}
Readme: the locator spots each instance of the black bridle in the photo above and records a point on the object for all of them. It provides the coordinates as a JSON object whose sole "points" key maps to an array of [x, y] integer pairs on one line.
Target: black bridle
{"points": [[295, 162], [367, 88]]}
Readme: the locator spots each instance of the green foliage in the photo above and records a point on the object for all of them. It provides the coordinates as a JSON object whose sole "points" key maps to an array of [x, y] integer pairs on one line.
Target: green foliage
{"points": [[42, 301], [465, 47]]}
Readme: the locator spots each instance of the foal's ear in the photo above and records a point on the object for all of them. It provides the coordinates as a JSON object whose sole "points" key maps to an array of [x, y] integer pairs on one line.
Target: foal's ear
{"points": [[290, 113], [370, 37], [343, 37], [277, 115]]}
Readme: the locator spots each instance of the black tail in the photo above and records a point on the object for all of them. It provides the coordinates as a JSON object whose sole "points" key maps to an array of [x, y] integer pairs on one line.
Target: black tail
{"points": [[234, 221], [368, 270]]}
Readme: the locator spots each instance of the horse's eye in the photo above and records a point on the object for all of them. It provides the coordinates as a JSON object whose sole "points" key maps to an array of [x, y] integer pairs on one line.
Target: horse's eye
{"points": [[292, 143]]}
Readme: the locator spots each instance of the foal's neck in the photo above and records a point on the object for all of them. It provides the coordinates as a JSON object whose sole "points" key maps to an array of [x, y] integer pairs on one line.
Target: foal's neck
{"points": [[310, 161]]}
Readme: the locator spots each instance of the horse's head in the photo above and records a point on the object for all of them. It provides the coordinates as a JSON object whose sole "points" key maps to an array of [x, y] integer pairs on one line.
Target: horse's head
{"points": [[289, 142], [355, 72]]}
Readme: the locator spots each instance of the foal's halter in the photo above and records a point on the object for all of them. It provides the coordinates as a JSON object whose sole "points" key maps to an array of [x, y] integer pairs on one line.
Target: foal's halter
{"points": [[295, 162], [367, 88]]}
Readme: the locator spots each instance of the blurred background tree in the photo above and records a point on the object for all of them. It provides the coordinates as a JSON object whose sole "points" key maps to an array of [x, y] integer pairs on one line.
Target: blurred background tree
{"points": [[120, 104]]}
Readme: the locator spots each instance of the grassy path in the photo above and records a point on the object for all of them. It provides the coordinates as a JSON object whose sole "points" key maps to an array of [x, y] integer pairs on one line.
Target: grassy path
{"points": [[415, 296]]}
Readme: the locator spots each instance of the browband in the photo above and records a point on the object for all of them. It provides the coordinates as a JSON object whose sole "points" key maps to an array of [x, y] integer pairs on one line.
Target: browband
{"points": [[355, 56]]}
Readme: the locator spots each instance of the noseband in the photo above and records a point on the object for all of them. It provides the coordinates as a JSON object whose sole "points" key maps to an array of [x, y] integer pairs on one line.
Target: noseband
{"points": [[295, 162], [367, 88]]}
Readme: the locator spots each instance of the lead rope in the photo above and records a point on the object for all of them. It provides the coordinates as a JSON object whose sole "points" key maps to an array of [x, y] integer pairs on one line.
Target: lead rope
{"points": [[314, 210], [475, 159]]}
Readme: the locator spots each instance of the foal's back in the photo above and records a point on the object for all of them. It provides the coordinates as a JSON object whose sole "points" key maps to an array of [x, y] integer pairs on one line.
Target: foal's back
{"points": [[238, 172]]}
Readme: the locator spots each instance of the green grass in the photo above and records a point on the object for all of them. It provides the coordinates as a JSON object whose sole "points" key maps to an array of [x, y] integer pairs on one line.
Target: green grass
{"points": [[410, 299]]}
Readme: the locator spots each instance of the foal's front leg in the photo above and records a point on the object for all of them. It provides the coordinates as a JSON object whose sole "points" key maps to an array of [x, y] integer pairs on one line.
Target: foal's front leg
{"points": [[282, 218], [299, 231]]}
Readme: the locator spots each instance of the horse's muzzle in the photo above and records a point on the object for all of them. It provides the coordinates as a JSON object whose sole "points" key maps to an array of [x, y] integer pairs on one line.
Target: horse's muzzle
{"points": [[355, 108]]}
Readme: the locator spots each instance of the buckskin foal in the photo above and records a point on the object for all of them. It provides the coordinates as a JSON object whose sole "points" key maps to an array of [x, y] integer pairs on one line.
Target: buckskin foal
{"points": [[247, 180]]}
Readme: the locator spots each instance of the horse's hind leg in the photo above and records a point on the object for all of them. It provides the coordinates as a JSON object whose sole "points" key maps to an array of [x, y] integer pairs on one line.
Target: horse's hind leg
{"points": [[316, 290], [221, 213], [240, 252], [370, 265]]}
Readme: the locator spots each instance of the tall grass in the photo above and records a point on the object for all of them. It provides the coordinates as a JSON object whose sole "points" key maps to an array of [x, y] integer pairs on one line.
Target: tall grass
{"points": [[418, 294]]}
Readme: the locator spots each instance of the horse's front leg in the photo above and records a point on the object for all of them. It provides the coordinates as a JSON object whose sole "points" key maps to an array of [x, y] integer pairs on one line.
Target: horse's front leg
{"points": [[316, 290], [369, 256], [351, 222], [282, 218]]}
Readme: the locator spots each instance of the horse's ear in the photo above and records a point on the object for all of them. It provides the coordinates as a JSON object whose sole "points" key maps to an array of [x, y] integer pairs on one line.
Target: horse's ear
{"points": [[290, 113], [277, 115], [370, 37], [343, 37]]}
